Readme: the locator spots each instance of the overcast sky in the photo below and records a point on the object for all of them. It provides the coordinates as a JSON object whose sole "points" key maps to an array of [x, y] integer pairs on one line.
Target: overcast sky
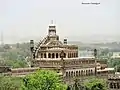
{"points": [[29, 19]]}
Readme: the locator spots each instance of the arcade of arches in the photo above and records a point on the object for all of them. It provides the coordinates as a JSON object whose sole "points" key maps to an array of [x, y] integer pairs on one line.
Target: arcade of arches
{"points": [[114, 82], [114, 85], [80, 72], [57, 55]]}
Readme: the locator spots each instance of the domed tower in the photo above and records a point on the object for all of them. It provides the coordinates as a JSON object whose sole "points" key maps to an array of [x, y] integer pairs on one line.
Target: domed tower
{"points": [[50, 47]]}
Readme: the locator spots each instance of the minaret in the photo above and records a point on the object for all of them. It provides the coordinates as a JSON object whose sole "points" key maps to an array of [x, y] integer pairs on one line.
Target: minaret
{"points": [[51, 21]]}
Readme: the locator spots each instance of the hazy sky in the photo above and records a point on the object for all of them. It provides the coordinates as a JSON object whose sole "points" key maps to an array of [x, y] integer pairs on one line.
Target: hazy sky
{"points": [[27, 19]]}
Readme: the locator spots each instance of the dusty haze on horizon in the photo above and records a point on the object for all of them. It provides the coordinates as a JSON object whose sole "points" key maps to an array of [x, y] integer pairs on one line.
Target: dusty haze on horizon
{"points": [[22, 20]]}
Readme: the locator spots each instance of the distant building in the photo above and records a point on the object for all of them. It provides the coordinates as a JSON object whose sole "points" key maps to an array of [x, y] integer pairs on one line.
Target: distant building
{"points": [[116, 55], [85, 53]]}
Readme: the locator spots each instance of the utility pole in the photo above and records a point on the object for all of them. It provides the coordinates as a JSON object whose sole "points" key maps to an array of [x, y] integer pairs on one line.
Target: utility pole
{"points": [[95, 55], [62, 60], [62, 55], [32, 51]]}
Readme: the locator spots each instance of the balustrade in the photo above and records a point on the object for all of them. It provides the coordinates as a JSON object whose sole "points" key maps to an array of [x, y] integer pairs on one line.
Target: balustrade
{"points": [[82, 72]]}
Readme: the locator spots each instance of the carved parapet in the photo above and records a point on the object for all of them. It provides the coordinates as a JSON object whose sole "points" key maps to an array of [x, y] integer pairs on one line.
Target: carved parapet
{"points": [[67, 62], [113, 77]]}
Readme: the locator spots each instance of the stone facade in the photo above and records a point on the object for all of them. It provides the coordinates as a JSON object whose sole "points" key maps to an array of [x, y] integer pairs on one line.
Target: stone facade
{"points": [[50, 47], [114, 82]]}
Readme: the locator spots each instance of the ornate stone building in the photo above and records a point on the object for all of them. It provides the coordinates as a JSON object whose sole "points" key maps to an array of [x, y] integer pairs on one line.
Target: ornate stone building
{"points": [[53, 54], [50, 47]]}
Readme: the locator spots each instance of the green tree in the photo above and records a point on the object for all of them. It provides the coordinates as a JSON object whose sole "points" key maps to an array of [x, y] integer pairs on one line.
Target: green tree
{"points": [[77, 85], [14, 58], [43, 80], [115, 63], [96, 84], [10, 83]]}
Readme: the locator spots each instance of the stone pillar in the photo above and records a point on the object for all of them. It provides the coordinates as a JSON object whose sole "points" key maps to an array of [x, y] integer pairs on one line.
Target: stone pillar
{"points": [[74, 73], [67, 55], [110, 85], [116, 86], [58, 55], [54, 55], [39, 56], [79, 73], [86, 72], [69, 74], [113, 85], [46, 54], [50, 55]]}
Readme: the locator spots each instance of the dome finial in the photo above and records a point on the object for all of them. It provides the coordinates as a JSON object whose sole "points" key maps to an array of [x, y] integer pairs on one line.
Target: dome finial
{"points": [[51, 21]]}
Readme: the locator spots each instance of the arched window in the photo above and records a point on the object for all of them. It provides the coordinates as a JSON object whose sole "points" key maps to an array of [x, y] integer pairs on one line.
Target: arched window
{"points": [[77, 73], [41, 55], [67, 74], [72, 73], [111, 85], [56, 55], [44, 55], [118, 86], [53, 55], [82, 72], [114, 85], [71, 55], [89, 72], [74, 54], [64, 55], [49, 55]]}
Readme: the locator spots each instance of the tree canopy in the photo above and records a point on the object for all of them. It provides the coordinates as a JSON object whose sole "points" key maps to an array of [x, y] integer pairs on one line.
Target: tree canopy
{"points": [[96, 84], [10, 83], [14, 57], [43, 80]]}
